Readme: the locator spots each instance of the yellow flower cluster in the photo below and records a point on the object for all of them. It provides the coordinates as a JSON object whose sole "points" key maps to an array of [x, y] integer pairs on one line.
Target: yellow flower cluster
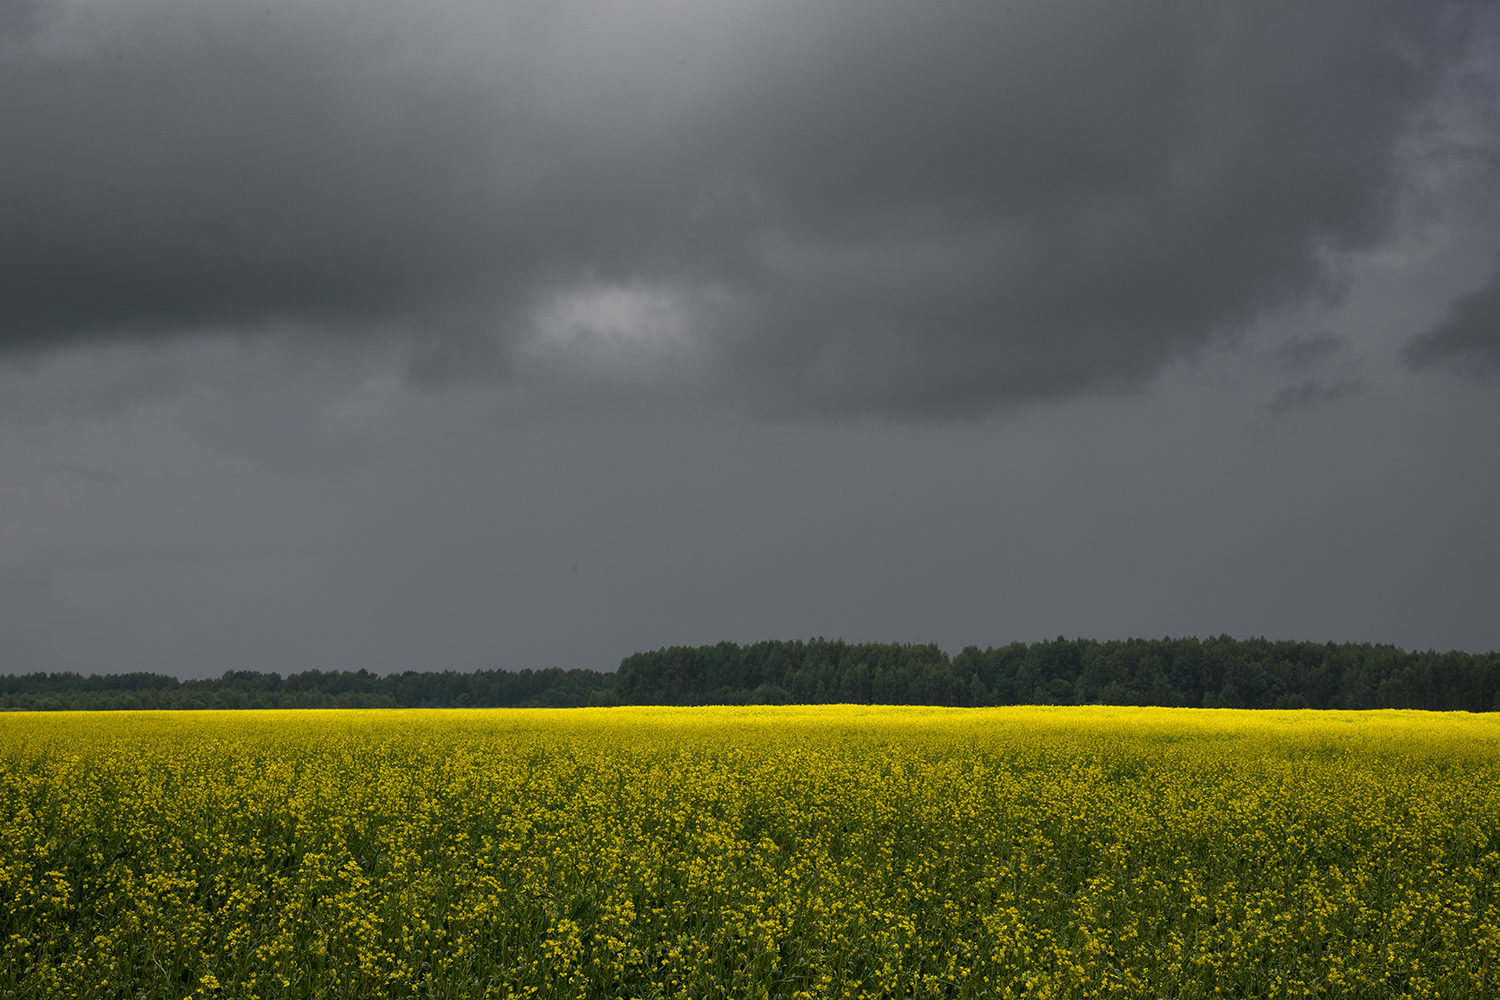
{"points": [[832, 851]]}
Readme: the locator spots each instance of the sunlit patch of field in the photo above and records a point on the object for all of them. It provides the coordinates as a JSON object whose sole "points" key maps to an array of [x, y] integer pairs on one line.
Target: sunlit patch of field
{"points": [[828, 851]]}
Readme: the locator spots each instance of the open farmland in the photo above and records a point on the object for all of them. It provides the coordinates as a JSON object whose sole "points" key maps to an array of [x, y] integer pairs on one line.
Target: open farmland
{"points": [[823, 851]]}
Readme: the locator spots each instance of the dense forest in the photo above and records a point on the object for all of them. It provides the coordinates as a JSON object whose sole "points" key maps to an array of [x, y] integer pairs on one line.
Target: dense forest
{"points": [[1214, 673]]}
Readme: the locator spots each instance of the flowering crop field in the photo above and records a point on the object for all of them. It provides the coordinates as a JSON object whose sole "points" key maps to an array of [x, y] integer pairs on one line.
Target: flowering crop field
{"points": [[762, 852]]}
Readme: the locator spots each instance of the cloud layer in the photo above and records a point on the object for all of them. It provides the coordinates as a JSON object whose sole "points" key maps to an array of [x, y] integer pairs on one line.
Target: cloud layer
{"points": [[1467, 338], [852, 206]]}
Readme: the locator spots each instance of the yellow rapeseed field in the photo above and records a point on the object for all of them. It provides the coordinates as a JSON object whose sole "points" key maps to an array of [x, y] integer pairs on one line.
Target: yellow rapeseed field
{"points": [[750, 852]]}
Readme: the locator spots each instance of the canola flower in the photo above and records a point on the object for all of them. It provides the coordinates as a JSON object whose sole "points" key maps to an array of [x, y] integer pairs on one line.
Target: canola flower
{"points": [[839, 851]]}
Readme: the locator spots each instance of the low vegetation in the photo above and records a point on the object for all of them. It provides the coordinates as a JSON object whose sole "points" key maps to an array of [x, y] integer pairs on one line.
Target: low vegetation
{"points": [[750, 852]]}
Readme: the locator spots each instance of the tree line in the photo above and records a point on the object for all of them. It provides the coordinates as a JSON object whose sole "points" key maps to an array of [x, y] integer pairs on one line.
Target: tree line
{"points": [[1214, 673], [551, 688], [1218, 672]]}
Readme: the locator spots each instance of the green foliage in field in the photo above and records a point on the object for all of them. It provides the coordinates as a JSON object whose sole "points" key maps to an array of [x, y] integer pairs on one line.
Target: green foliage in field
{"points": [[750, 853]]}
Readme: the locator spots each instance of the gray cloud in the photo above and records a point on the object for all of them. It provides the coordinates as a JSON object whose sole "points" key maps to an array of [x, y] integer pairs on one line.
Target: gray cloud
{"points": [[1310, 393], [1304, 351], [24, 587], [1467, 338], [850, 206]]}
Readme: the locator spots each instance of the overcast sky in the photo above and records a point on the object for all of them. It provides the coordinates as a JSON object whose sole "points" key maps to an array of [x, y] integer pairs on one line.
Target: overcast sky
{"points": [[462, 335]]}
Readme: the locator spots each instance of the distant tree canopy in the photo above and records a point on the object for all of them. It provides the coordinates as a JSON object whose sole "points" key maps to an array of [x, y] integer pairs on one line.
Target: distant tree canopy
{"points": [[553, 688], [1214, 673]]}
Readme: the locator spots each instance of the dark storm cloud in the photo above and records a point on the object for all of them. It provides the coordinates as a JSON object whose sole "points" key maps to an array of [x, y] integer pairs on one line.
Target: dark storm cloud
{"points": [[1305, 395], [1468, 338], [857, 206], [1305, 351]]}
